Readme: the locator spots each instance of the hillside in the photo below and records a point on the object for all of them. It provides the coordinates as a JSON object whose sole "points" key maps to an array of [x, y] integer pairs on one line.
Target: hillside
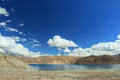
{"points": [[50, 59], [104, 59], [11, 62]]}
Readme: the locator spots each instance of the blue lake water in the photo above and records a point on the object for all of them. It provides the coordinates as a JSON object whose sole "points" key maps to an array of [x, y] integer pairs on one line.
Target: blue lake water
{"points": [[76, 66]]}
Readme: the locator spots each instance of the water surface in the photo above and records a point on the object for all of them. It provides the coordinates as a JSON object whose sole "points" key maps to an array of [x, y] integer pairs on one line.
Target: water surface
{"points": [[76, 66]]}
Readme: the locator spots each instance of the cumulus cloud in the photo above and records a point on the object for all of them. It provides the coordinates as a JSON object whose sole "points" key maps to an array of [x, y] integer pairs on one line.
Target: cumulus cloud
{"points": [[16, 38], [118, 36], [60, 42], [66, 50], [10, 46], [3, 11], [102, 48]]}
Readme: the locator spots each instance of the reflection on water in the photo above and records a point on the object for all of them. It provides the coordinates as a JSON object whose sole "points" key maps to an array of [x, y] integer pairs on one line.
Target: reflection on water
{"points": [[75, 67]]}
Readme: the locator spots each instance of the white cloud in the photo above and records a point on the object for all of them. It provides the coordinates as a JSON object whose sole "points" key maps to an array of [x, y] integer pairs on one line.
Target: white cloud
{"points": [[36, 45], [21, 33], [66, 50], [118, 36], [3, 24], [58, 54], [60, 49], [18, 39], [23, 39], [83, 52], [11, 29], [107, 46], [102, 48], [36, 41], [60, 42], [3, 12], [10, 46]]}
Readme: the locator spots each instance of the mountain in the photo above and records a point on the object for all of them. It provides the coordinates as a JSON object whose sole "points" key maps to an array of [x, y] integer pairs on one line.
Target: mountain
{"points": [[50, 59], [11, 62], [104, 59]]}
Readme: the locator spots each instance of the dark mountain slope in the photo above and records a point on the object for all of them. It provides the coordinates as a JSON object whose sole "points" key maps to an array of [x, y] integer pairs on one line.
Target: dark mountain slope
{"points": [[104, 59]]}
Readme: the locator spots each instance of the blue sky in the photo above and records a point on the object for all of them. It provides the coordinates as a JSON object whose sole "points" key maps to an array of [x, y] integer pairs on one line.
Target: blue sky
{"points": [[85, 22]]}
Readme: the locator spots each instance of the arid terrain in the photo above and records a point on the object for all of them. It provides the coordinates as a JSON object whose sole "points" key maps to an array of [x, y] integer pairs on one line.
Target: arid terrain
{"points": [[12, 68], [58, 75]]}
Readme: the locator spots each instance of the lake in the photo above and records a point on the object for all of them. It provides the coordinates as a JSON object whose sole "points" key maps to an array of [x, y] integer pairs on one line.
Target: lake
{"points": [[76, 66]]}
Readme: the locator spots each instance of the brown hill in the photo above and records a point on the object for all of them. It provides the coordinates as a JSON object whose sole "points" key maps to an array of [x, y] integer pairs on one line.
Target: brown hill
{"points": [[50, 59], [105, 59], [11, 62]]}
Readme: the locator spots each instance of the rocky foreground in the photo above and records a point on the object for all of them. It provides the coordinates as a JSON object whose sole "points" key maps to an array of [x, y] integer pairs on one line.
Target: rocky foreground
{"points": [[58, 75]]}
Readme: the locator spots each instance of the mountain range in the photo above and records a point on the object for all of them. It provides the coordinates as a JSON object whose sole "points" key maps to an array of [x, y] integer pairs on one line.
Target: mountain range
{"points": [[49, 59], [10, 61], [103, 59]]}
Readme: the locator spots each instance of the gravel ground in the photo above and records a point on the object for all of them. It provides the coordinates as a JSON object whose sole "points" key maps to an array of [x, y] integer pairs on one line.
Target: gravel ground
{"points": [[12, 74]]}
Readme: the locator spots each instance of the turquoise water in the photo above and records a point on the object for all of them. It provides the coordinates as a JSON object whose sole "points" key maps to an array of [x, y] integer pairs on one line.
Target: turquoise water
{"points": [[76, 67]]}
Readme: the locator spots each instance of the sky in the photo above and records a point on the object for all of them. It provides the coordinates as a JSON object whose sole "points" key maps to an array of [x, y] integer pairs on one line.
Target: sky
{"points": [[60, 27]]}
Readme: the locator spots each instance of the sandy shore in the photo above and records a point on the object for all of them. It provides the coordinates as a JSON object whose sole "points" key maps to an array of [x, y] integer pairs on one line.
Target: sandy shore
{"points": [[7, 74]]}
